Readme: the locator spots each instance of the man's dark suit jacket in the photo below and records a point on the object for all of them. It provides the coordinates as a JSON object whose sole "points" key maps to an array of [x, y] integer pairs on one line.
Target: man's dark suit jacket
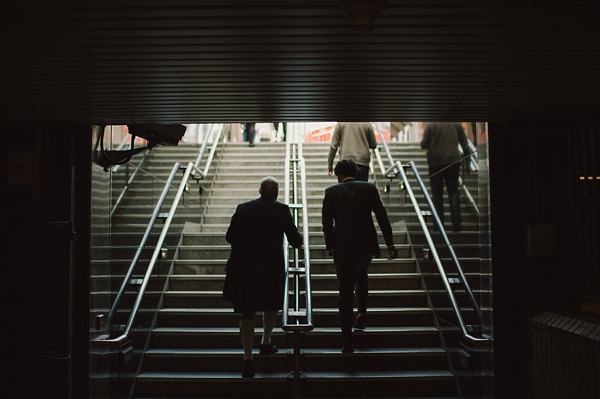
{"points": [[256, 260], [347, 219]]}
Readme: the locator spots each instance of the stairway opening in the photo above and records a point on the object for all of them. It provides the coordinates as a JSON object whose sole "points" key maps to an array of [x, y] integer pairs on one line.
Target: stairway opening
{"points": [[185, 341]]}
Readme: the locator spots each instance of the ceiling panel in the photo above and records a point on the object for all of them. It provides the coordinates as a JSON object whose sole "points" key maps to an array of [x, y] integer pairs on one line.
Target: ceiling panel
{"points": [[232, 61]]}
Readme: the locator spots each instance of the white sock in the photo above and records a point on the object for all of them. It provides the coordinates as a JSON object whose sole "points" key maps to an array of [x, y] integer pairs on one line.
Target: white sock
{"points": [[269, 319], [247, 334]]}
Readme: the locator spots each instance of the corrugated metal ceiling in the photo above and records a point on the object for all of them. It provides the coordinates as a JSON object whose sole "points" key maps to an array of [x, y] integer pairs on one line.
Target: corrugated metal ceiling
{"points": [[232, 60]]}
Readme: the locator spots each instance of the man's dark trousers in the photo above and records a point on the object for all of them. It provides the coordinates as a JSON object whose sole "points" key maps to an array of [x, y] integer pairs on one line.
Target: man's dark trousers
{"points": [[448, 174], [351, 269]]}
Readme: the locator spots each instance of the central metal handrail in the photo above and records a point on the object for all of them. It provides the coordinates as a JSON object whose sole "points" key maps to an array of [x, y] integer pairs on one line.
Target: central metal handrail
{"points": [[292, 319], [395, 169]]}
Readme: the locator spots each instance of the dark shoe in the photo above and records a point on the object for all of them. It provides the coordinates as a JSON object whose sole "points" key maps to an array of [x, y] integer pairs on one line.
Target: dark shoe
{"points": [[248, 371], [359, 323], [456, 227], [268, 349], [347, 346], [251, 144]]}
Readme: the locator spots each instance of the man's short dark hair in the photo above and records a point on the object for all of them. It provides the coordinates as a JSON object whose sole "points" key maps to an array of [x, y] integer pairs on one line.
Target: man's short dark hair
{"points": [[346, 167]]}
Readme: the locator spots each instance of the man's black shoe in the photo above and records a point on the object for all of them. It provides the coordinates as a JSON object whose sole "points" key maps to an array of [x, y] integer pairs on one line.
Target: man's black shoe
{"points": [[268, 349], [248, 371], [359, 323], [456, 226]]}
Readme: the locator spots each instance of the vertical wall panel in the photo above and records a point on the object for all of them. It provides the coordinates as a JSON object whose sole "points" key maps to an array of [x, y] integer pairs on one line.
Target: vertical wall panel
{"points": [[583, 163], [99, 274]]}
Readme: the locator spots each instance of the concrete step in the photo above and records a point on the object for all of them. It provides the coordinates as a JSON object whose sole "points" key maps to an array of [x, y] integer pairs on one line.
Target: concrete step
{"points": [[323, 317], [155, 192], [182, 215], [326, 359], [279, 385], [434, 281], [113, 282], [320, 337], [223, 251], [321, 299], [207, 238], [377, 281], [186, 207], [207, 226], [314, 215], [382, 281], [318, 266]]}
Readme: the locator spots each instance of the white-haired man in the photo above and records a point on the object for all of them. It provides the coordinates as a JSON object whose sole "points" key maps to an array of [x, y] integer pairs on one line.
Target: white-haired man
{"points": [[255, 269]]}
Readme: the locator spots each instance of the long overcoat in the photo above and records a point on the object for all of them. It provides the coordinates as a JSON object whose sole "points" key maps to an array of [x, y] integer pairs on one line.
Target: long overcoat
{"points": [[255, 269]]}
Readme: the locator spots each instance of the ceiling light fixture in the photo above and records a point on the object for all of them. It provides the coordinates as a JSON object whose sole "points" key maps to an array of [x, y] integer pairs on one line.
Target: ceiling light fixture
{"points": [[362, 13]]}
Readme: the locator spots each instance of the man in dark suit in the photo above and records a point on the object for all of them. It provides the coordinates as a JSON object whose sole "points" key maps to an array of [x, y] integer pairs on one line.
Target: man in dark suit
{"points": [[351, 238], [255, 269]]}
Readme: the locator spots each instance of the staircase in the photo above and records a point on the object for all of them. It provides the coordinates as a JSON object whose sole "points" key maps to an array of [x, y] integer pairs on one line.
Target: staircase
{"points": [[196, 349]]}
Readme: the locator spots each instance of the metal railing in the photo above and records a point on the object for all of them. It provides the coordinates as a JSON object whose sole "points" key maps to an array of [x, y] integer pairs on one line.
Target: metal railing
{"points": [[127, 183], [395, 169], [157, 250], [130, 179], [215, 133], [120, 147], [296, 319], [192, 170]]}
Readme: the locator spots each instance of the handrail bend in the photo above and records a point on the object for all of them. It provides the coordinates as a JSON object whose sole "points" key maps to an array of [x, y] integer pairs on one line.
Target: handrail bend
{"points": [[155, 255], [393, 171], [192, 169], [216, 136]]}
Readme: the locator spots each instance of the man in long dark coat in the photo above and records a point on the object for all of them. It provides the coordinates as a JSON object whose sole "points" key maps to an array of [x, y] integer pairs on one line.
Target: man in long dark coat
{"points": [[351, 237], [255, 269]]}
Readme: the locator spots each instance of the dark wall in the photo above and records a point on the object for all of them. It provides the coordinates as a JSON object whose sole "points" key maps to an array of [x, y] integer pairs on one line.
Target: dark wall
{"points": [[100, 262], [528, 168], [46, 297], [46, 188]]}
